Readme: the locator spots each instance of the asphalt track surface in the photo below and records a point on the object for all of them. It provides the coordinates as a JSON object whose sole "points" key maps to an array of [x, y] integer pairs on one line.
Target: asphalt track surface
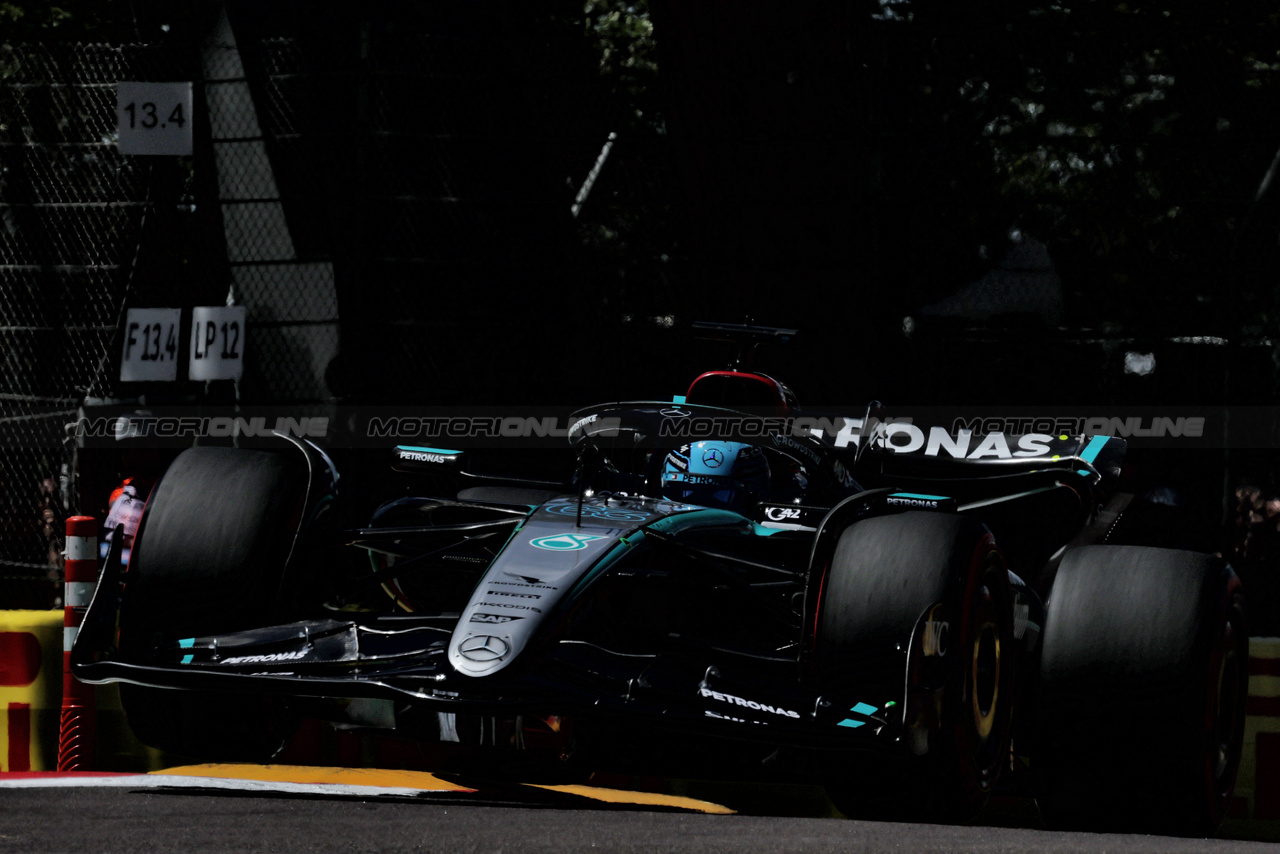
{"points": [[159, 817]]}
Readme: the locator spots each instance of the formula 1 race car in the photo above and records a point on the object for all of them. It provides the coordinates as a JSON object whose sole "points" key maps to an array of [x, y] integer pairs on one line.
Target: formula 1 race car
{"points": [[903, 617]]}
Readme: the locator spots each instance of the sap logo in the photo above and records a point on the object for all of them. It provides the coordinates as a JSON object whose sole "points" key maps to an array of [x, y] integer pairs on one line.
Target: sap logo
{"points": [[423, 457], [493, 618], [264, 659], [781, 514]]}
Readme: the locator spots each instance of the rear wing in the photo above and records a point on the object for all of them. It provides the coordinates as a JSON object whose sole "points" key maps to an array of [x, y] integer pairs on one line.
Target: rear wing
{"points": [[913, 451]]}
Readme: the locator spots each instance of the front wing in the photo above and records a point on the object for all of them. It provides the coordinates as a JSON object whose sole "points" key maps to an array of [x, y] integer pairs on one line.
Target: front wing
{"points": [[689, 687]]}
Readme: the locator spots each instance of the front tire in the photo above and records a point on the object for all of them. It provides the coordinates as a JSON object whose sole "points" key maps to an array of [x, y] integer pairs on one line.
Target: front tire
{"points": [[885, 574], [209, 557]]}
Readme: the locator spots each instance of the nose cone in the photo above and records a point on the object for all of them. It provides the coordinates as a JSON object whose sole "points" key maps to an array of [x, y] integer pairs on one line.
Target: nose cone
{"points": [[540, 565], [479, 654]]}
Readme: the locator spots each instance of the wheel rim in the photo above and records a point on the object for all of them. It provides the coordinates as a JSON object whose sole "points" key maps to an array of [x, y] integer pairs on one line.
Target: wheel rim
{"points": [[1226, 709], [984, 670]]}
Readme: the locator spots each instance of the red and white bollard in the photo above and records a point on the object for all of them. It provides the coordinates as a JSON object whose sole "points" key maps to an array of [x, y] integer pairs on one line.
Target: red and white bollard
{"points": [[77, 733]]}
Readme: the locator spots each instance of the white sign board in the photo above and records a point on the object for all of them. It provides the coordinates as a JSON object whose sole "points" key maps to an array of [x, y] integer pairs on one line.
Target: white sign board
{"points": [[150, 345], [217, 342], [153, 118]]}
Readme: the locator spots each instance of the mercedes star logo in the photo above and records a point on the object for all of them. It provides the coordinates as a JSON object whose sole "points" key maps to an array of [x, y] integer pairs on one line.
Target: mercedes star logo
{"points": [[484, 648], [713, 458]]}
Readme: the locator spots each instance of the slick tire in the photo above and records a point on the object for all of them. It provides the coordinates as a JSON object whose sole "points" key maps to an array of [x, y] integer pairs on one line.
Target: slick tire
{"points": [[1144, 675], [209, 557], [883, 575]]}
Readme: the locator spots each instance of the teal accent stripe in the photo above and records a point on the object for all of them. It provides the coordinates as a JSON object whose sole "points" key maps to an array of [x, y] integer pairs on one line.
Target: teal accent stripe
{"points": [[677, 398], [678, 522], [1096, 444], [864, 708], [917, 495], [620, 548], [426, 450], [187, 643], [518, 529]]}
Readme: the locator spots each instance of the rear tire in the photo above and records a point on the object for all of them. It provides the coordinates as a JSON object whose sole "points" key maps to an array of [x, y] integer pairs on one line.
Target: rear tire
{"points": [[209, 557], [884, 574], [1144, 676]]}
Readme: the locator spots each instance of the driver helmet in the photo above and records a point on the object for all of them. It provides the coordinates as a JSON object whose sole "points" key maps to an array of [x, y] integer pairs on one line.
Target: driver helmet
{"points": [[724, 475]]}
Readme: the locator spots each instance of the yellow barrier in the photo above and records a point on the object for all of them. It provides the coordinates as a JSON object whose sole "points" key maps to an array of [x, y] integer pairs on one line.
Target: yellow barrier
{"points": [[31, 701], [30, 689], [1258, 782]]}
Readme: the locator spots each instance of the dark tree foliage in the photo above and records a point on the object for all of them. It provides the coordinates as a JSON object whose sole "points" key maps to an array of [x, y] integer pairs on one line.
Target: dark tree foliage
{"points": [[1130, 138], [68, 20], [832, 165]]}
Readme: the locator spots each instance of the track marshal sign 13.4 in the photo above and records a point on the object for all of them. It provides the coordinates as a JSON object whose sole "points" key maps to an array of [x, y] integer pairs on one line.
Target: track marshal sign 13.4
{"points": [[153, 118]]}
